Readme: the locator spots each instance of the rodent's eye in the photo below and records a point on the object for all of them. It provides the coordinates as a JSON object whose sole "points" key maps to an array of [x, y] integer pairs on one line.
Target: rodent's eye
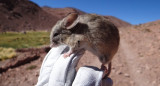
{"points": [[78, 43], [55, 34]]}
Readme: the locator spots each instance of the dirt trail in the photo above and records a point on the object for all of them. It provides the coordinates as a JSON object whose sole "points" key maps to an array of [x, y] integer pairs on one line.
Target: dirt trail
{"points": [[133, 64]]}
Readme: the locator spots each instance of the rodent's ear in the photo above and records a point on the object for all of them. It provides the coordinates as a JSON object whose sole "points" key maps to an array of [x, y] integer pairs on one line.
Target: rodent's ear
{"points": [[69, 21]]}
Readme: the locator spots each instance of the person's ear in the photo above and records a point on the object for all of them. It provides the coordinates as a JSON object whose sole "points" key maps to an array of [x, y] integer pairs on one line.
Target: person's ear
{"points": [[69, 21]]}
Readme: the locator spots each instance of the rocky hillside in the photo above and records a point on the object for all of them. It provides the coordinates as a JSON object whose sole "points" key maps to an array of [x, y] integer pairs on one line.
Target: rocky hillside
{"points": [[118, 22], [136, 63], [22, 15]]}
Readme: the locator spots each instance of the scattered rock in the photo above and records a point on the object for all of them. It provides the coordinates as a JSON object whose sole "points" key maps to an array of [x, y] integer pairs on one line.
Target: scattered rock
{"points": [[139, 71], [154, 82], [132, 82], [126, 75], [119, 73]]}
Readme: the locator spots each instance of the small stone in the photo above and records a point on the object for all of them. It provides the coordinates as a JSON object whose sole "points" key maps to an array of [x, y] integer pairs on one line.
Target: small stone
{"points": [[119, 72], [154, 82], [9, 69], [139, 71], [120, 65], [113, 71], [132, 82], [113, 68], [25, 79], [17, 69], [147, 67], [36, 74], [126, 75], [8, 75]]}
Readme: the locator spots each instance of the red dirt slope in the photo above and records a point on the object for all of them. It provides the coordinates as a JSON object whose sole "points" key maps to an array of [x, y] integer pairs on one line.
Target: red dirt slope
{"points": [[22, 15], [136, 63]]}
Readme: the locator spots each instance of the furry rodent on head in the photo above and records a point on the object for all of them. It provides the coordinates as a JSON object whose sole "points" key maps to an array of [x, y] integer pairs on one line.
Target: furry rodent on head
{"points": [[89, 31]]}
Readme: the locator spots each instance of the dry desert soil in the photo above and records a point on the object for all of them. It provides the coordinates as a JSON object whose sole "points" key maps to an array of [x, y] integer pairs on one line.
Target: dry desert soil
{"points": [[135, 64]]}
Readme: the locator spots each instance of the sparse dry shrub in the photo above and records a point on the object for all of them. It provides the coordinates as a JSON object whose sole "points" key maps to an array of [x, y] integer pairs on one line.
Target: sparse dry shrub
{"points": [[6, 53], [31, 67], [147, 30]]}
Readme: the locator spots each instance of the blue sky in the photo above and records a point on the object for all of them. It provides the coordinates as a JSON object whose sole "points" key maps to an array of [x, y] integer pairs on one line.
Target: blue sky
{"points": [[132, 11]]}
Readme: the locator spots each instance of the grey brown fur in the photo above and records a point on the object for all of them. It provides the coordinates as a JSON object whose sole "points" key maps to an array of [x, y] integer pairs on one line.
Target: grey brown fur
{"points": [[89, 31]]}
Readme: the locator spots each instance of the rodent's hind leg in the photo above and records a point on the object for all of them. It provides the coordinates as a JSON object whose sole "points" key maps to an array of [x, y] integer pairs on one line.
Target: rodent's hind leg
{"points": [[106, 71]]}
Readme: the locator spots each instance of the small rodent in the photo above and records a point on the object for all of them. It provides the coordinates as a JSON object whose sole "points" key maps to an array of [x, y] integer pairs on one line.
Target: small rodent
{"points": [[90, 32]]}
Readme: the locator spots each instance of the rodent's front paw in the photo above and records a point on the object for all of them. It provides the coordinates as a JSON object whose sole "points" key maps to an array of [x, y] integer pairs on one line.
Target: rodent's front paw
{"points": [[65, 55]]}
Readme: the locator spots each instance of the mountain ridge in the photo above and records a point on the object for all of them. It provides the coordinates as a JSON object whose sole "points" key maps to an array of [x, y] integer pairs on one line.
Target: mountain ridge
{"points": [[24, 15]]}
